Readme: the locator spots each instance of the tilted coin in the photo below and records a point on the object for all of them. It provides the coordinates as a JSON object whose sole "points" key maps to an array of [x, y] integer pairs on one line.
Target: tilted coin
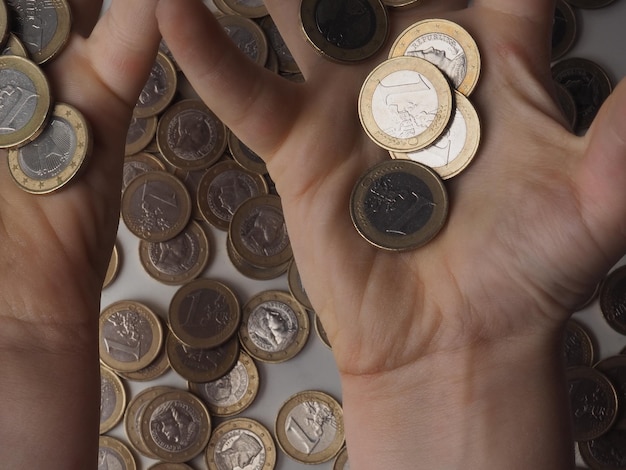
{"points": [[202, 364], [159, 89], [451, 153], [113, 267], [286, 61], [247, 36], [309, 427], [589, 4], [13, 46], [593, 402], [578, 347], [588, 84], [241, 443], [251, 271], [248, 8], [244, 156], [43, 28], [445, 44], [175, 426], [321, 332], [296, 287], [112, 399], [156, 206], [139, 163], [204, 313], [274, 326], [614, 368], [341, 461], [405, 104], [606, 452], [178, 260], [613, 299], [56, 156], [564, 29], [25, 101], [190, 136], [140, 133], [152, 371], [131, 335], [223, 188], [567, 105], [113, 453], [232, 393], [345, 33], [399, 205]]}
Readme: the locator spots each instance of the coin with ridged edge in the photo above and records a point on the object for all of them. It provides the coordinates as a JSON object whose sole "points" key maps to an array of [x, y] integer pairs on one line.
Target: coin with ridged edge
{"points": [[399, 205], [113, 267], [405, 104], [159, 89], [113, 453], [13, 46], [345, 34], [309, 427], [112, 399], [241, 443], [152, 371], [56, 156], [140, 133]]}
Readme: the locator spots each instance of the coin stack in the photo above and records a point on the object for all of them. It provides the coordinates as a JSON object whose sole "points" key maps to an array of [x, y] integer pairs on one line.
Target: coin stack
{"points": [[48, 142]]}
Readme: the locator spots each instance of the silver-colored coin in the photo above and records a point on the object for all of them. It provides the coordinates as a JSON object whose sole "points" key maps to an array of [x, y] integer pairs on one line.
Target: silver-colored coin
{"points": [[140, 133], [247, 36], [139, 163], [112, 399], [286, 61], [114, 454], [13, 46], [159, 89]]}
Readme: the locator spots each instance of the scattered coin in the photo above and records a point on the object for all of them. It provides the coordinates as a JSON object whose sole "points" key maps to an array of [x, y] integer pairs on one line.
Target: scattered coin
{"points": [[296, 287], [613, 299], [247, 36], [232, 393], [251, 271], [241, 443], [131, 335], [140, 133], [405, 104], [170, 466], [321, 332], [114, 266], [399, 205], [112, 399], [113, 453], [564, 29], [5, 31], [606, 452], [593, 402], [248, 8], [341, 462], [156, 206], [274, 327], [152, 371], [453, 151], [43, 29], [244, 156], [286, 61], [344, 34], [446, 45], [57, 155], [614, 368], [13, 46], [26, 101], [309, 427], [139, 163], [578, 347], [159, 89]]}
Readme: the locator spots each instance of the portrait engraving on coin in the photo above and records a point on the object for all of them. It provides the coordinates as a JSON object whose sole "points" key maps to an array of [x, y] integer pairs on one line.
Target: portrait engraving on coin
{"points": [[405, 104], [34, 22], [443, 51], [239, 449], [18, 100], [51, 152], [175, 256], [228, 190], [311, 427], [229, 389], [272, 326], [347, 24], [127, 335], [264, 232], [175, 425], [192, 134]]}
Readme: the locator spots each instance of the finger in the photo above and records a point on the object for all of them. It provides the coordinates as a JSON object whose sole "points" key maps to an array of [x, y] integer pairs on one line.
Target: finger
{"points": [[85, 14], [537, 11], [250, 100]]}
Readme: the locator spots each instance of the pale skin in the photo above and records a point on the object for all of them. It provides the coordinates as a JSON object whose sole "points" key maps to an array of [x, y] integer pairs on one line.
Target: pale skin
{"points": [[449, 355]]}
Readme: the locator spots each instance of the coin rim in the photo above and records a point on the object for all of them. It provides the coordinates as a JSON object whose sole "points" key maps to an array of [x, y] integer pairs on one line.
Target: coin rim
{"points": [[120, 448], [120, 399], [171, 79], [257, 32]]}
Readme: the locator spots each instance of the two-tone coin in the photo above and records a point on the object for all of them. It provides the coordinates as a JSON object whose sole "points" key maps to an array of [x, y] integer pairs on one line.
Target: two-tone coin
{"points": [[241, 443], [341, 461], [248, 8], [286, 61], [614, 368], [232, 393], [274, 326], [247, 36], [321, 332], [152, 371], [405, 104], [578, 346], [113, 453], [296, 287], [309, 427], [345, 33], [112, 399], [139, 163], [5, 31], [564, 29], [244, 156], [250, 270], [113, 267], [159, 89], [613, 299], [399, 205], [57, 155], [140, 133]]}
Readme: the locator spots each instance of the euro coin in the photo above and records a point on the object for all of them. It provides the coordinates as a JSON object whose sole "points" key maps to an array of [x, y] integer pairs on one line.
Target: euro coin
{"points": [[112, 399], [159, 89], [113, 453]]}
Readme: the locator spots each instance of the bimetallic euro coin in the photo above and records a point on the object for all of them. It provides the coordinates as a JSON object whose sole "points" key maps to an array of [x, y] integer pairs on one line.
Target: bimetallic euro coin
{"points": [[159, 89], [25, 101], [613, 299], [248, 8], [399, 205], [112, 399], [309, 427], [296, 287], [170, 466], [244, 156], [113, 267], [341, 461], [247, 36], [113, 453], [13, 46], [453, 151], [321, 332], [405, 104], [141, 132], [5, 31], [564, 29], [139, 163], [446, 45], [345, 33], [57, 155], [251, 271]]}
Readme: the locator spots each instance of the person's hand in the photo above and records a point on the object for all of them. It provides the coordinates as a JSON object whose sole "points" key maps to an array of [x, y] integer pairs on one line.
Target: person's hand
{"points": [[54, 249], [436, 347]]}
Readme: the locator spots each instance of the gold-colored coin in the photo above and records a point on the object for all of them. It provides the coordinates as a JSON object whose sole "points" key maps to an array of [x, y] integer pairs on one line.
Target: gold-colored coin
{"points": [[222, 8], [309, 427], [247, 36], [296, 287], [112, 399], [178, 260], [202, 364], [321, 332], [223, 188], [170, 466], [251, 271], [26, 101], [244, 156], [248, 8], [159, 90], [204, 313], [5, 31], [564, 29], [613, 299], [175, 426], [446, 45], [453, 151], [113, 453], [113, 268], [234, 392], [139, 163], [156, 206], [43, 29], [286, 61], [399, 205], [140, 133], [241, 443], [190, 136], [274, 326], [56, 156], [341, 461], [152, 371], [344, 34], [614, 368], [131, 336], [405, 104], [13, 46]]}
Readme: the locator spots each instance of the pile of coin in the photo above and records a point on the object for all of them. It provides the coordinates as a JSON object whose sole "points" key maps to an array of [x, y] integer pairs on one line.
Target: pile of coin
{"points": [[48, 142]]}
